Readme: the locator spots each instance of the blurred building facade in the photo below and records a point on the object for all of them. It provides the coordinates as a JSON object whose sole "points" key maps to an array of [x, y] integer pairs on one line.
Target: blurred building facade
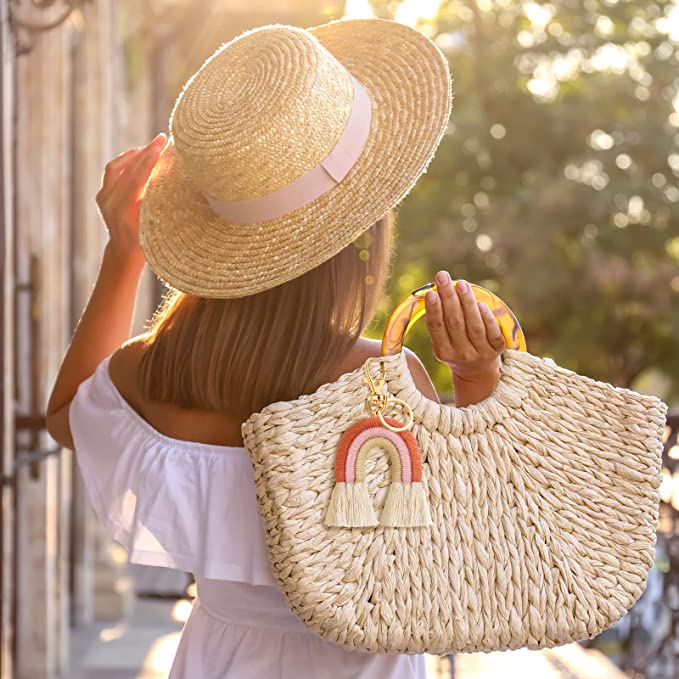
{"points": [[80, 82], [68, 104]]}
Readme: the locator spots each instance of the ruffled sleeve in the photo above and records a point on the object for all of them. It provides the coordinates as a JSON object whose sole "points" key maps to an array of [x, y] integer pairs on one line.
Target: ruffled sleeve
{"points": [[172, 503]]}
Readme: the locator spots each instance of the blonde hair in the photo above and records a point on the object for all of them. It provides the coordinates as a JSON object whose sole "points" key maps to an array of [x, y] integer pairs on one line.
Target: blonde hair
{"points": [[238, 355]]}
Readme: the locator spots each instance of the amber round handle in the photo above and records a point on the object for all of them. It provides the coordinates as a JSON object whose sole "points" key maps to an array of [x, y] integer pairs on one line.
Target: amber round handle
{"points": [[406, 314]]}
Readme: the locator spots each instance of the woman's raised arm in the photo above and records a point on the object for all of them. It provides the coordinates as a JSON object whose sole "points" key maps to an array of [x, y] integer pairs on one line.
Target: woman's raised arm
{"points": [[106, 321]]}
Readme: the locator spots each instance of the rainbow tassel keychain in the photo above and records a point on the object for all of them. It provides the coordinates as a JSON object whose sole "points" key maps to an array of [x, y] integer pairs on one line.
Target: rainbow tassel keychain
{"points": [[406, 504]]}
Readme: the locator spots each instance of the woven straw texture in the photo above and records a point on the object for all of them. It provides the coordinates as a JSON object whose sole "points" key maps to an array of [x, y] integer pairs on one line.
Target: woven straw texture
{"points": [[544, 499], [264, 110]]}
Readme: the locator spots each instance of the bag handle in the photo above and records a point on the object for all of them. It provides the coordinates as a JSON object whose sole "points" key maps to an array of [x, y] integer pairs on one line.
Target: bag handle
{"points": [[412, 308]]}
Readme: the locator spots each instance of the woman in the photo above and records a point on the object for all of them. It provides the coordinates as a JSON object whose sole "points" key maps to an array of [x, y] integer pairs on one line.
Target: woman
{"points": [[270, 216]]}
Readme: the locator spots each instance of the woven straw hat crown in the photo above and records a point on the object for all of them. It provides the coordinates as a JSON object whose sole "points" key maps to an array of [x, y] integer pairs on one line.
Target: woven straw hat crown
{"points": [[261, 112]]}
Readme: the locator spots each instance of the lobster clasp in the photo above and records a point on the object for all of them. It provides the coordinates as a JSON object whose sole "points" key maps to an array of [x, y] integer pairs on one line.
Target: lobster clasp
{"points": [[378, 402], [377, 384]]}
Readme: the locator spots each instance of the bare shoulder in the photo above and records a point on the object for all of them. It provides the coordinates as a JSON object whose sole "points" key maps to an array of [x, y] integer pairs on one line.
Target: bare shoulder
{"points": [[178, 422], [124, 366], [365, 348]]}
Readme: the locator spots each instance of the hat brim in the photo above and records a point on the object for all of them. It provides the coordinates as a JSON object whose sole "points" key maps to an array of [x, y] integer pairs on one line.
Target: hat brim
{"points": [[192, 249]]}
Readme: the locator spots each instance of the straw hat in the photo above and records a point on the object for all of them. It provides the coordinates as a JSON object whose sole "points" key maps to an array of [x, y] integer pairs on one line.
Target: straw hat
{"points": [[285, 146]]}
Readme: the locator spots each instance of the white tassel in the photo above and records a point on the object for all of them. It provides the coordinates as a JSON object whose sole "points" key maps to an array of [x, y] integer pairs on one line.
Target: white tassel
{"points": [[350, 507], [406, 506]]}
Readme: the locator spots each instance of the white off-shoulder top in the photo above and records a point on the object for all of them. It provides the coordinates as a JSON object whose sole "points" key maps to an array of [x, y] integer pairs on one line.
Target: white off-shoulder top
{"points": [[192, 506]]}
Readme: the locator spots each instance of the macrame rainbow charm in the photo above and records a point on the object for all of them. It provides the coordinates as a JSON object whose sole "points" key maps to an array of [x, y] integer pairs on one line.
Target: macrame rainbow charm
{"points": [[406, 504]]}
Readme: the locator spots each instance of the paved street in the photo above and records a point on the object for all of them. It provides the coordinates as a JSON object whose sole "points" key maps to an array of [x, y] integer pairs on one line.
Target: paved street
{"points": [[141, 648]]}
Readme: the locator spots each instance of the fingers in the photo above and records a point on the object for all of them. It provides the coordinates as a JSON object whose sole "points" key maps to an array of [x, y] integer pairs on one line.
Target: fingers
{"points": [[116, 166], [462, 330], [437, 328], [493, 332], [473, 323], [139, 169], [453, 314]]}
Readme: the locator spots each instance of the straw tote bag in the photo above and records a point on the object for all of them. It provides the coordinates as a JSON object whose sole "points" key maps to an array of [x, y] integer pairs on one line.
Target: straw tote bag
{"points": [[525, 520]]}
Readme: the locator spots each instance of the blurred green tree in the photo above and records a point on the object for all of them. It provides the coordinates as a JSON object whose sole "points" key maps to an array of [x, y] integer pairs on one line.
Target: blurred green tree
{"points": [[555, 185]]}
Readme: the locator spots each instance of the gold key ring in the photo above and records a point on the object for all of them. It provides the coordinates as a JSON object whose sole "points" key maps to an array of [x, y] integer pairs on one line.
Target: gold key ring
{"points": [[406, 408]]}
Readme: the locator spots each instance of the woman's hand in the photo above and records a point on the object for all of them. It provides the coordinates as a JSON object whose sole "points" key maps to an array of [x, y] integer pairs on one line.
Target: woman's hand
{"points": [[120, 194], [465, 335]]}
